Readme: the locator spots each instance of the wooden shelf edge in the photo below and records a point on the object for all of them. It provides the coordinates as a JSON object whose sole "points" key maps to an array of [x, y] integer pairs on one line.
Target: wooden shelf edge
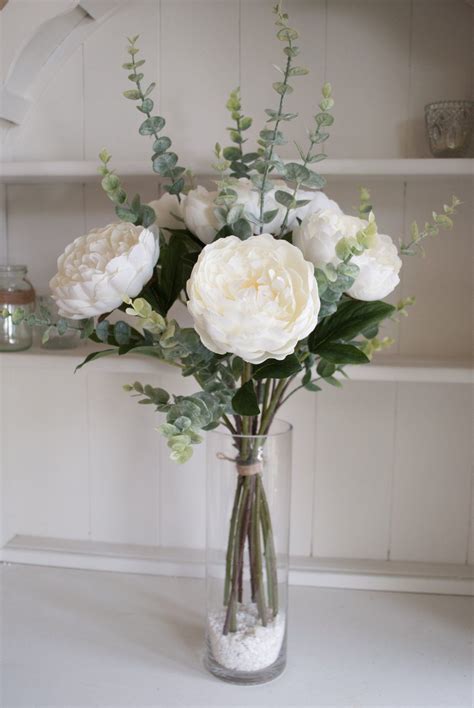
{"points": [[86, 171], [400, 576], [395, 369]]}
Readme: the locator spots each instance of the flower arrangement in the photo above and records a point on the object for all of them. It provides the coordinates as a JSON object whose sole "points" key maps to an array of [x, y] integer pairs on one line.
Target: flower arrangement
{"points": [[283, 288]]}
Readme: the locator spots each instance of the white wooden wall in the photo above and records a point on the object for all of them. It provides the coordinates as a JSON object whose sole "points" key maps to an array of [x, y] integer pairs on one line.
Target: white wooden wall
{"points": [[382, 469]]}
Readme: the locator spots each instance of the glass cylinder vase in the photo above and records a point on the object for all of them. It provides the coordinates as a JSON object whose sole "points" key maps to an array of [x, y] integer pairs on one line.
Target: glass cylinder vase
{"points": [[248, 510]]}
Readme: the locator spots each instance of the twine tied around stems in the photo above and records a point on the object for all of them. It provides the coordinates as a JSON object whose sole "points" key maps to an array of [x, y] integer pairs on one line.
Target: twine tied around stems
{"points": [[248, 470], [244, 470]]}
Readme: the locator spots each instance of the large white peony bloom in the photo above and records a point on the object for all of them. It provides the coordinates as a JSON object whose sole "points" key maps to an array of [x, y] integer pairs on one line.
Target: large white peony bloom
{"points": [[198, 213], [318, 235], [256, 298], [97, 270], [164, 208], [379, 269]]}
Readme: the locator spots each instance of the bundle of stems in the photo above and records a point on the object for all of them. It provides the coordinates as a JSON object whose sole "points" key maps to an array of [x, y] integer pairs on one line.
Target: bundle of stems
{"points": [[250, 528]]}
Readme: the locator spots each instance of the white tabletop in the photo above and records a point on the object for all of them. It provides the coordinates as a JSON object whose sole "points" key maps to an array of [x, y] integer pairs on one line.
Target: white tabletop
{"points": [[82, 638]]}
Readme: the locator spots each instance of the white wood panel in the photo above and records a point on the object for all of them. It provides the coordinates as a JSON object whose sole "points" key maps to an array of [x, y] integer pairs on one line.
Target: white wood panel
{"points": [[367, 64], [200, 58], [432, 478], [354, 454], [442, 62], [470, 550], [111, 120], [182, 487], [440, 322], [42, 220], [123, 459], [300, 411], [53, 127], [45, 475], [260, 49], [3, 497], [3, 223]]}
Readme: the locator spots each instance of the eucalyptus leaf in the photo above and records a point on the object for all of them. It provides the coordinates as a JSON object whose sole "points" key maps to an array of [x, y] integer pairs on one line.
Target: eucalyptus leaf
{"points": [[152, 125]]}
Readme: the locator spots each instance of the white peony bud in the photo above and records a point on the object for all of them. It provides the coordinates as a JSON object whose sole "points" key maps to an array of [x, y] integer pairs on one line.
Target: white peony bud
{"points": [[379, 265], [198, 214], [164, 208], [256, 298], [98, 270], [379, 268], [319, 232], [250, 197]]}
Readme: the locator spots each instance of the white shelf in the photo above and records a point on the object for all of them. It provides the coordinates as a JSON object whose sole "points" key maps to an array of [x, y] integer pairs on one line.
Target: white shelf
{"points": [[86, 171], [389, 368]]}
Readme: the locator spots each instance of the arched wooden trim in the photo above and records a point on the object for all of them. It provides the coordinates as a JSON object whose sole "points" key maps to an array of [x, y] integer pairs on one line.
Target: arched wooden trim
{"points": [[53, 42]]}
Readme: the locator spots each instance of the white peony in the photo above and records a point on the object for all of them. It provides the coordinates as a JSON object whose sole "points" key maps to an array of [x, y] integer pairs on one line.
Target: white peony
{"points": [[379, 268], [198, 214], [318, 235], [320, 231], [97, 270], [256, 298], [164, 208]]}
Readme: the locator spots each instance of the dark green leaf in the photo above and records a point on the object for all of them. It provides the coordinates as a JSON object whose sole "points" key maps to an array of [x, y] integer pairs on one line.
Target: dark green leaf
{"points": [[245, 402], [96, 355], [325, 368], [231, 153], [274, 369], [351, 318], [342, 354]]}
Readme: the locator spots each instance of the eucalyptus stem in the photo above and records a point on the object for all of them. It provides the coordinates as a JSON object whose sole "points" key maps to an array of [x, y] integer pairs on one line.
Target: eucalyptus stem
{"points": [[272, 146]]}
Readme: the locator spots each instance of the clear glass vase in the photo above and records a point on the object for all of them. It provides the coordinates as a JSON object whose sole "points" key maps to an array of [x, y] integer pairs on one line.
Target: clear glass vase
{"points": [[248, 509]]}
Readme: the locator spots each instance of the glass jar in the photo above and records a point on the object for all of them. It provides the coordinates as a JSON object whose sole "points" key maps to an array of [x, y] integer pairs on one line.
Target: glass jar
{"points": [[16, 292], [247, 546], [449, 125]]}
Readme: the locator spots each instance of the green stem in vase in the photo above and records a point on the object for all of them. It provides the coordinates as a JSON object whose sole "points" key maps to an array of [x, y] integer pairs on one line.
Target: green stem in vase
{"points": [[270, 555], [231, 541], [256, 543]]}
